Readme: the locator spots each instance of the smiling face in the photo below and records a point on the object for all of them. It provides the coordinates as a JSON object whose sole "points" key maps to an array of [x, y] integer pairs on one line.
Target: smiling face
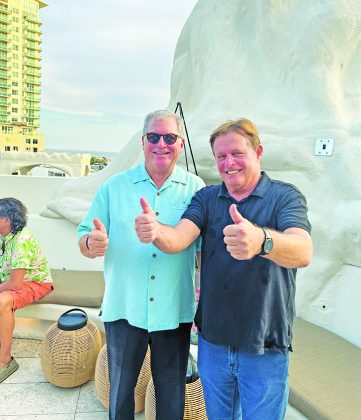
{"points": [[238, 164], [161, 158]]}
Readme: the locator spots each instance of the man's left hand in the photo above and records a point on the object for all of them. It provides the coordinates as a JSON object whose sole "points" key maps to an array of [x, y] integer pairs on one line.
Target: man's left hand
{"points": [[243, 239]]}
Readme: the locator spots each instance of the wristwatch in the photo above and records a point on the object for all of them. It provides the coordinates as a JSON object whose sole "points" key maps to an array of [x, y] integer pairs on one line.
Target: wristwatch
{"points": [[267, 245]]}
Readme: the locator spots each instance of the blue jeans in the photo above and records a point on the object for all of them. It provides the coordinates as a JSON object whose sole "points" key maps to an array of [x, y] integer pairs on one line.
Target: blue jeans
{"points": [[239, 385], [126, 347]]}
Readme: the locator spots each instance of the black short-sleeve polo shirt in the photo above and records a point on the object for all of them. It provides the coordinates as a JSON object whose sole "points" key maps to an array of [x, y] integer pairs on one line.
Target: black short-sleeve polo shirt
{"points": [[247, 304]]}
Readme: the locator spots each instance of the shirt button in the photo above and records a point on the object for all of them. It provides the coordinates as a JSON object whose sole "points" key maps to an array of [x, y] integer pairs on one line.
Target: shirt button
{"points": [[152, 277], [158, 194], [156, 213], [154, 255], [151, 299]]}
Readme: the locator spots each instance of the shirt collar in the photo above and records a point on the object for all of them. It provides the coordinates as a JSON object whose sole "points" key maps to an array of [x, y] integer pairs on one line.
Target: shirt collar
{"points": [[140, 174], [260, 190]]}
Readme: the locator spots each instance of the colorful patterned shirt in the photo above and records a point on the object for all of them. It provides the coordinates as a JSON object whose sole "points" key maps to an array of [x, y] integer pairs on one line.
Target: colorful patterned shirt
{"points": [[22, 250]]}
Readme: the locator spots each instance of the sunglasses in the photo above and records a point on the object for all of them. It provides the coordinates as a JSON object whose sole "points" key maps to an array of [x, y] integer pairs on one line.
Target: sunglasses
{"points": [[168, 138]]}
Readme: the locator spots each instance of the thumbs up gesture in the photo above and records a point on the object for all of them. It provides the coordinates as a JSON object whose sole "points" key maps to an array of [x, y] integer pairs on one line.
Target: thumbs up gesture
{"points": [[97, 242], [243, 238], [146, 224]]}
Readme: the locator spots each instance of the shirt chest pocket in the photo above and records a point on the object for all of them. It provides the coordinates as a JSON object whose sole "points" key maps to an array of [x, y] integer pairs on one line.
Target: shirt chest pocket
{"points": [[177, 212]]}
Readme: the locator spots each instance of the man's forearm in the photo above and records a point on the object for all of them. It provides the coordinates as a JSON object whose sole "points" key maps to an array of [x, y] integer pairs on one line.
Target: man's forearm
{"points": [[292, 248], [175, 239]]}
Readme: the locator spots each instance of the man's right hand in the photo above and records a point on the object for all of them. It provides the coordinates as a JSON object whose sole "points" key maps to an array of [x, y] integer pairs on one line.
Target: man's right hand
{"points": [[98, 240], [146, 224]]}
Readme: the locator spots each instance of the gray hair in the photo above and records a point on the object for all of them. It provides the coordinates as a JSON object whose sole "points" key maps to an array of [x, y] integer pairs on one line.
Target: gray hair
{"points": [[162, 114], [15, 211]]}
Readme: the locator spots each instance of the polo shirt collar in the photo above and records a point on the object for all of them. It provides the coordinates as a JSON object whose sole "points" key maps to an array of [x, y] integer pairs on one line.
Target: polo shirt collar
{"points": [[140, 174], [260, 190]]}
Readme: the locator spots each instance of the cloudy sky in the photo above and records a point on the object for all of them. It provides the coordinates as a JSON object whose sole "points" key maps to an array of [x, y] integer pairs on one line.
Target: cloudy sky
{"points": [[106, 63]]}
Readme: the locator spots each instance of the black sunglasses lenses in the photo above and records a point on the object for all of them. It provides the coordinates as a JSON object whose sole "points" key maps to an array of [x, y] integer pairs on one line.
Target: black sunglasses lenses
{"points": [[168, 138]]}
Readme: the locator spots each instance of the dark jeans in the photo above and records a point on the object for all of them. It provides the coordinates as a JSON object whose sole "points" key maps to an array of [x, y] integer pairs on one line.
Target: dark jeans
{"points": [[127, 346]]}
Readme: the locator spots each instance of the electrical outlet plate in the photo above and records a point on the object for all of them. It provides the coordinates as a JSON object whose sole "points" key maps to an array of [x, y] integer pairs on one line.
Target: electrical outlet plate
{"points": [[324, 147]]}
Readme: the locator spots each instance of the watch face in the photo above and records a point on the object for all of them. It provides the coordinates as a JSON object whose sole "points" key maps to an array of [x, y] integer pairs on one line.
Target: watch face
{"points": [[268, 246]]}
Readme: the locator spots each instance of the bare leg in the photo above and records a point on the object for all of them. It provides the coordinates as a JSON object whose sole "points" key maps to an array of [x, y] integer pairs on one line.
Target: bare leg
{"points": [[7, 323]]}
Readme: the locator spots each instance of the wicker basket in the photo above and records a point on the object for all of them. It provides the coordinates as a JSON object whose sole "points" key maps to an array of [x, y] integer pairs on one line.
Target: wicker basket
{"points": [[194, 408], [68, 357], [102, 380]]}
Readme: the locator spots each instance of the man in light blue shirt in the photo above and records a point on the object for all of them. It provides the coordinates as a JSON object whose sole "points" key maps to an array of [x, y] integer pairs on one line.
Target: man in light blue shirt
{"points": [[149, 295]]}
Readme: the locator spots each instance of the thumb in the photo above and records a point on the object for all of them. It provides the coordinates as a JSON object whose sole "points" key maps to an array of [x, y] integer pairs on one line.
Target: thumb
{"points": [[145, 206], [235, 215], [99, 225]]}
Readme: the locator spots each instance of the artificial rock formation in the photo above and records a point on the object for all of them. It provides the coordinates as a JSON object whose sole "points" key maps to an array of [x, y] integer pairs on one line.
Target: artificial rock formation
{"points": [[294, 68]]}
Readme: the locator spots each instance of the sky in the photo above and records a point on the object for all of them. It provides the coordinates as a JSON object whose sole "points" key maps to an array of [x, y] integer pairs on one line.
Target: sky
{"points": [[105, 65]]}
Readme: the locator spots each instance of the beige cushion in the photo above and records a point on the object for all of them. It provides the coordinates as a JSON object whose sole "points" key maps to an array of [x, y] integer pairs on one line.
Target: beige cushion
{"points": [[76, 288], [325, 374]]}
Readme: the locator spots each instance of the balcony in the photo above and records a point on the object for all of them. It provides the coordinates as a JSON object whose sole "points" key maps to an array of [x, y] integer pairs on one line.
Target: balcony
{"points": [[30, 54], [33, 72], [4, 28], [32, 90], [34, 108], [31, 98], [3, 75], [4, 94], [33, 81], [32, 28], [33, 63], [32, 46], [32, 37]]}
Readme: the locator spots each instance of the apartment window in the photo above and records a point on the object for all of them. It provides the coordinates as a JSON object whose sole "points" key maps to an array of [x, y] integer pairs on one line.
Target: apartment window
{"points": [[14, 92], [16, 47], [7, 148], [15, 74], [14, 110], [35, 141], [7, 129], [14, 119], [27, 141], [35, 149], [15, 101], [15, 148], [16, 56], [15, 83], [28, 148], [15, 65]]}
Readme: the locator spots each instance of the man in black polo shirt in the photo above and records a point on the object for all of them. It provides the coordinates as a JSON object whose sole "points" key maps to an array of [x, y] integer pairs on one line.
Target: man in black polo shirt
{"points": [[255, 234]]}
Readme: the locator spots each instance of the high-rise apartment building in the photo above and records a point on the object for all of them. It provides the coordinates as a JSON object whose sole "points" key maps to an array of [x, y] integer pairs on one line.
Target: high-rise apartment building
{"points": [[20, 74]]}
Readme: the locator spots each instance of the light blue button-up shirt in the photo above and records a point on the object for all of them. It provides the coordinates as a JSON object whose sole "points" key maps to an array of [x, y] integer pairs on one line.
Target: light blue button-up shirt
{"points": [[147, 287]]}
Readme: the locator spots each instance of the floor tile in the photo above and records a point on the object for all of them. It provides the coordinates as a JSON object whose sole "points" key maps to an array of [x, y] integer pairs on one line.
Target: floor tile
{"points": [[91, 416], [40, 417], [29, 372], [37, 398], [88, 401]]}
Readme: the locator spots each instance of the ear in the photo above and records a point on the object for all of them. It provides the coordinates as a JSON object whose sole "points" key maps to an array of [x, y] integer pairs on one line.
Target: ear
{"points": [[182, 143], [259, 152], [143, 140]]}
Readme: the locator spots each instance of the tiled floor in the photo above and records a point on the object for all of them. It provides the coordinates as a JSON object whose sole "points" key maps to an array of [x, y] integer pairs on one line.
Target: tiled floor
{"points": [[27, 395]]}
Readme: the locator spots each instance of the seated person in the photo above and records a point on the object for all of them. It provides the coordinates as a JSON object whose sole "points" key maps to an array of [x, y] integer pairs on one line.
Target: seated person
{"points": [[24, 275]]}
